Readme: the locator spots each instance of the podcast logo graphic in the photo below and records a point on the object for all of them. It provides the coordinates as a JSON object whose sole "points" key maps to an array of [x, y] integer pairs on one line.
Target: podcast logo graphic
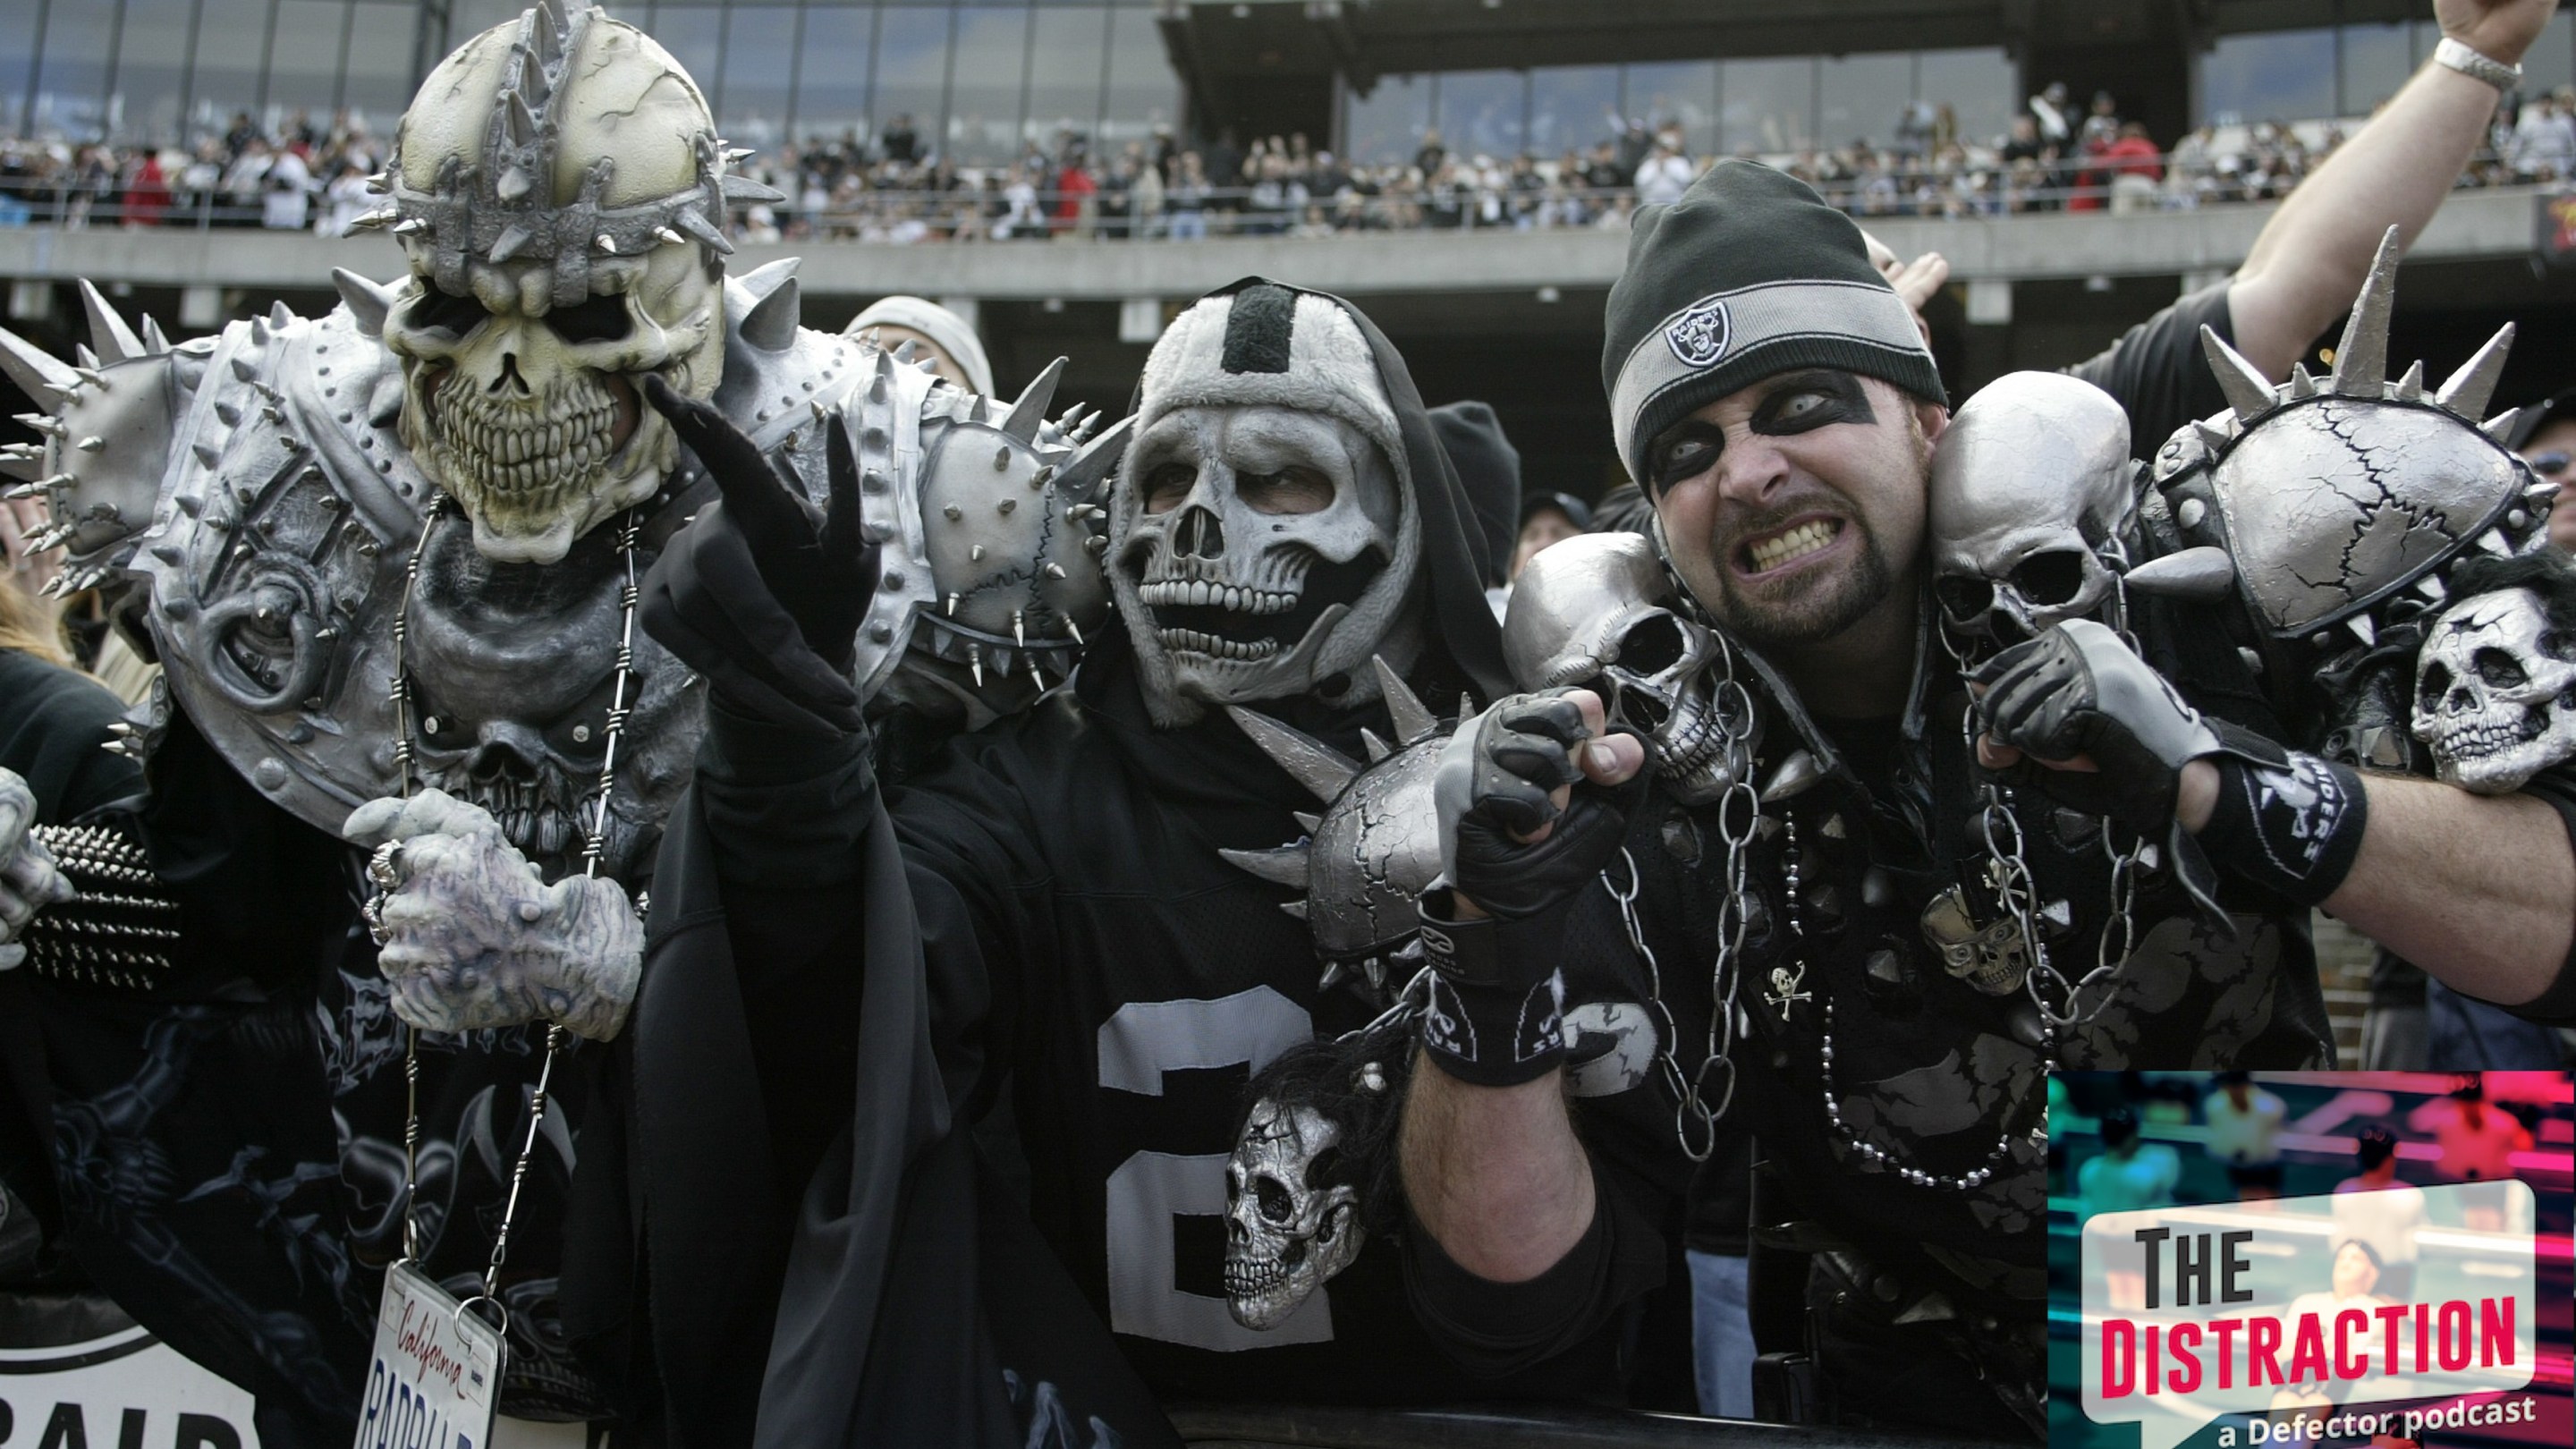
{"points": [[2282, 1322]]}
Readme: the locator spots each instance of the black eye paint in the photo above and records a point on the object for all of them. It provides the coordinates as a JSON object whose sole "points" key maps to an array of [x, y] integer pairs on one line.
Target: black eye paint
{"points": [[1801, 401], [1685, 450]]}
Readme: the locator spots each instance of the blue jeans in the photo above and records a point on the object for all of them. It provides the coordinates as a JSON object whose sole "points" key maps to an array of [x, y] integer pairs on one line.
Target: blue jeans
{"points": [[2468, 1034], [1722, 1335]]}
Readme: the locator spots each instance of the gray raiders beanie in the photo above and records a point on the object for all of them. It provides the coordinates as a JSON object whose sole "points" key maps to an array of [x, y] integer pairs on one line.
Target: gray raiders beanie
{"points": [[1748, 275]]}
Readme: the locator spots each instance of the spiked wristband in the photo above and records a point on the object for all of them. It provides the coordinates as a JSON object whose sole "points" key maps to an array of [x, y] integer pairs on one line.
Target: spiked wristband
{"points": [[2289, 822], [1497, 1000]]}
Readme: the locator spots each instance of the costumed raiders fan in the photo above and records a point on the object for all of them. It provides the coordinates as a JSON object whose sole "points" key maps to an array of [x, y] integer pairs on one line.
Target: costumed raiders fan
{"points": [[854, 971], [1909, 914], [388, 559]]}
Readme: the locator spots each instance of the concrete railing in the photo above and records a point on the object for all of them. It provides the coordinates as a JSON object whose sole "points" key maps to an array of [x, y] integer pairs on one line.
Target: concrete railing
{"points": [[2472, 224]]}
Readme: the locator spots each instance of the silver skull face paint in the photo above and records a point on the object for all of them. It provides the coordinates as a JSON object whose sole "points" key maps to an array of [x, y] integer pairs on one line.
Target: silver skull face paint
{"points": [[2495, 694], [2032, 490], [1260, 552], [1591, 611], [1284, 1234]]}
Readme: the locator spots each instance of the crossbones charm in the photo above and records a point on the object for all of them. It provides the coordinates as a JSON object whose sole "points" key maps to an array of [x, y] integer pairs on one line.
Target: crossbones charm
{"points": [[1784, 993]]}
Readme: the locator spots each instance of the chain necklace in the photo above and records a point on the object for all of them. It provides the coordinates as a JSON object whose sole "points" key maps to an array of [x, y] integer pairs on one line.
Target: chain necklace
{"points": [[381, 871]]}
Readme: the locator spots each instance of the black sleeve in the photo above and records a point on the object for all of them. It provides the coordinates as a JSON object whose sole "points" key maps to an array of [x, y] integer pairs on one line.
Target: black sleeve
{"points": [[53, 722], [2157, 372], [1494, 1330]]}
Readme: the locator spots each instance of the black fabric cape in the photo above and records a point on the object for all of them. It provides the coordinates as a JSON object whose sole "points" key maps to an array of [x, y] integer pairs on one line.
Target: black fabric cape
{"points": [[804, 1214]]}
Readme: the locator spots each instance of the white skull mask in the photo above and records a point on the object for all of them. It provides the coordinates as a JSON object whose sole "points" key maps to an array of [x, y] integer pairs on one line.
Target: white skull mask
{"points": [[1261, 552], [544, 196], [1286, 1232], [2032, 491], [1591, 611], [2495, 692]]}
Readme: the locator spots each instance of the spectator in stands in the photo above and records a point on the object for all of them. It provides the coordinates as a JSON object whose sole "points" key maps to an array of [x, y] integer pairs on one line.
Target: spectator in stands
{"points": [[1548, 519], [2244, 1133], [2048, 108], [1431, 155], [2375, 1208], [899, 142], [2134, 169], [955, 351], [147, 191], [2544, 141], [1187, 200], [286, 201], [1663, 176]]}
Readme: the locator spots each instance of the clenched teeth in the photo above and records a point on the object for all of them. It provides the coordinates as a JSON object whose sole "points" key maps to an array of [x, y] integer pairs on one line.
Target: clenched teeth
{"points": [[1797, 543], [1191, 641], [1201, 594]]}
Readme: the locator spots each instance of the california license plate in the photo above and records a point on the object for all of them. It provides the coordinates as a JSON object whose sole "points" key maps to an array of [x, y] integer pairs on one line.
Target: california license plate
{"points": [[436, 1377]]}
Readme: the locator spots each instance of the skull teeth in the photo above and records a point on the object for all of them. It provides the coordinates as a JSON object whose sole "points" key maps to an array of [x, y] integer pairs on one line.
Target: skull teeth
{"points": [[1244, 1279], [1191, 641], [514, 451], [1198, 593]]}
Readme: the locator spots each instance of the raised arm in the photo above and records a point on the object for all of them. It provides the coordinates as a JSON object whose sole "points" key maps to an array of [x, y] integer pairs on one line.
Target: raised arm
{"points": [[2313, 253]]}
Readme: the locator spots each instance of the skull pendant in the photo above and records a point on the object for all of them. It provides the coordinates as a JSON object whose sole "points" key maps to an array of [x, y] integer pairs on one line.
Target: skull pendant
{"points": [[1990, 958]]}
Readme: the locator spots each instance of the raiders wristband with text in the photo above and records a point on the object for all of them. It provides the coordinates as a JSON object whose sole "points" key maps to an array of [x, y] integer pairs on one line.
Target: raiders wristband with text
{"points": [[1496, 1014], [2284, 820]]}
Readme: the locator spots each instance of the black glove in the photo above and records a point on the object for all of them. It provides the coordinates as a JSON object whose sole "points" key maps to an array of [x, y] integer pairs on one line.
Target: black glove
{"points": [[2079, 690], [1497, 998], [760, 594]]}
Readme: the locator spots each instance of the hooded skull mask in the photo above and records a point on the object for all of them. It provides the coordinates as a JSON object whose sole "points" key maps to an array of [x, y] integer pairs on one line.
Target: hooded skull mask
{"points": [[560, 209], [2495, 685], [1263, 530]]}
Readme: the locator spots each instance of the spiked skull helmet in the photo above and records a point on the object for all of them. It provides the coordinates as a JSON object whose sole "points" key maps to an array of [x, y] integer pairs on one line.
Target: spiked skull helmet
{"points": [[559, 190]]}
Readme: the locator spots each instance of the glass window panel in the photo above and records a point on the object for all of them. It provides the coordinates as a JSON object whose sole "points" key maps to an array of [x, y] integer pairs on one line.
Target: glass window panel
{"points": [[1862, 97], [1682, 91], [1064, 71], [759, 65], [912, 71], [1480, 113], [832, 90], [467, 19], [1143, 93], [17, 54], [1770, 104], [380, 79], [151, 60], [1981, 88], [304, 65], [2284, 76], [1389, 122], [2546, 66], [2375, 61], [694, 34], [1572, 108], [71, 88], [984, 94], [231, 38]]}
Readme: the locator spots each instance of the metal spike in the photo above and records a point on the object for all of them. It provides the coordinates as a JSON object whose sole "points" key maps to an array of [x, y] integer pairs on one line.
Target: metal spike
{"points": [[975, 553], [207, 453], [2363, 629], [975, 661], [24, 491], [2494, 542], [953, 512], [2432, 587], [1073, 630], [1334, 971], [2211, 439], [1288, 865], [244, 369], [27, 468], [107, 331], [2409, 388], [1052, 569], [1413, 720], [279, 317], [904, 350], [772, 322], [2361, 358], [228, 414], [2248, 392], [2468, 390], [2302, 384], [1375, 747], [90, 444], [2500, 427], [1006, 505], [1019, 631], [30, 366], [668, 237], [1025, 415], [87, 360], [368, 303], [952, 604], [1090, 467], [1308, 823], [513, 240], [695, 223], [1794, 776], [1319, 767], [411, 226]]}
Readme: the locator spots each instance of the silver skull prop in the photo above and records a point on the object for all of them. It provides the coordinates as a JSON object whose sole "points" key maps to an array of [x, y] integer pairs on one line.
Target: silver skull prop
{"points": [[2032, 492], [2495, 694], [1262, 529], [1592, 611], [1373, 849], [561, 214], [1285, 1233]]}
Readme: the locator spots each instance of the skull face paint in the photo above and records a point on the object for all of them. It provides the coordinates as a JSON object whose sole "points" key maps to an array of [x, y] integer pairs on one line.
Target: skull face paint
{"points": [[1591, 611], [1259, 552], [2495, 694], [543, 218], [1285, 1232], [2032, 491]]}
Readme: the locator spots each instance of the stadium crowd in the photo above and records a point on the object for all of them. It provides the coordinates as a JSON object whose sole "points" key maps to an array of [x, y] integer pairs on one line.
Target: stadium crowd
{"points": [[897, 187]]}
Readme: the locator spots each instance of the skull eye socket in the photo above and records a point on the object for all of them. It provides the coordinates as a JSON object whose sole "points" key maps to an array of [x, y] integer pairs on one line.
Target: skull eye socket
{"points": [[1965, 600], [1167, 485], [2051, 578], [437, 311], [2434, 685], [1653, 646], [1271, 1199], [601, 319], [2498, 668]]}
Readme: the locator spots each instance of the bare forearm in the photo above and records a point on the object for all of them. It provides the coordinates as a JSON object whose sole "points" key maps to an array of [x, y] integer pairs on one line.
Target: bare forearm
{"points": [[2312, 255], [2479, 890], [1495, 1173]]}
